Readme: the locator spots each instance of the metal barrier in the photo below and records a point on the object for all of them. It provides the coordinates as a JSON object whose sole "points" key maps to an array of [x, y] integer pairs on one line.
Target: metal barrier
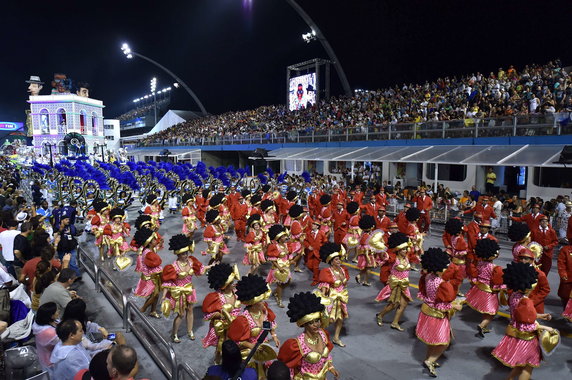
{"points": [[184, 369], [128, 325], [127, 309]]}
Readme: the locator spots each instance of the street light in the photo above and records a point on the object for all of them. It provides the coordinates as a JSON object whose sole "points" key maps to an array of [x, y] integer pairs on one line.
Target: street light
{"points": [[153, 88], [130, 54]]}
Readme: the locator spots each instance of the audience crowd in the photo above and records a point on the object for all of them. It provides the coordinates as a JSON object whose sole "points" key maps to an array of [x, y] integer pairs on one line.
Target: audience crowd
{"points": [[536, 89], [144, 110]]}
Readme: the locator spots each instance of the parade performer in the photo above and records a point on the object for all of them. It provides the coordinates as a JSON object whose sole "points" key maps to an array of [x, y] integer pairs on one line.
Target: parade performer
{"points": [[382, 222], [308, 356], [487, 282], [457, 251], [565, 273], [325, 215], [255, 205], [401, 220], [351, 239], [341, 218], [284, 207], [297, 234], [371, 207], [221, 306], [116, 233], [396, 292], [98, 223], [254, 243], [433, 326], [245, 329], [520, 234], [179, 294], [202, 204], [424, 204], [239, 213], [145, 221], [412, 230], [314, 240], [278, 254], [366, 254], [149, 265], [269, 217], [214, 236], [217, 202], [472, 231], [332, 287], [189, 218], [519, 349], [532, 220], [546, 236], [154, 209], [542, 288]]}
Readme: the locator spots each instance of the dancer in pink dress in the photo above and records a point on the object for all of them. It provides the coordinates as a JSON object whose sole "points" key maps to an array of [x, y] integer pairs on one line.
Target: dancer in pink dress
{"points": [[396, 292], [116, 233], [487, 282], [520, 234], [567, 313], [433, 327], [297, 234], [179, 294], [366, 254], [279, 255], [189, 215], [333, 287], [351, 240], [457, 251], [519, 349], [98, 223], [309, 354], [213, 235], [154, 209], [254, 243], [149, 265], [221, 306]]}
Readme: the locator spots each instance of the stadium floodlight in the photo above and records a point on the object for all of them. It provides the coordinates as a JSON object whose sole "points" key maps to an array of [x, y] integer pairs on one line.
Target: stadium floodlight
{"points": [[176, 85], [129, 53], [309, 37]]}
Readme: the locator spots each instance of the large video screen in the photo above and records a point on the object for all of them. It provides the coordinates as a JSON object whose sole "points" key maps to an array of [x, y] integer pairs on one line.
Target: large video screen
{"points": [[302, 92]]}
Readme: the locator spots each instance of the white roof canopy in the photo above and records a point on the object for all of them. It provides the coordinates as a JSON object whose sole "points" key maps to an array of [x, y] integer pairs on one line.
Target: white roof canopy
{"points": [[487, 155]]}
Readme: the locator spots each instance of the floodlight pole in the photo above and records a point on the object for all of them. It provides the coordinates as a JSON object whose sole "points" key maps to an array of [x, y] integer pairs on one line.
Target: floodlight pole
{"points": [[196, 99], [325, 44]]}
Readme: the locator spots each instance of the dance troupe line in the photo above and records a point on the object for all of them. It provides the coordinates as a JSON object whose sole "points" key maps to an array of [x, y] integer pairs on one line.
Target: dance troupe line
{"points": [[280, 233]]}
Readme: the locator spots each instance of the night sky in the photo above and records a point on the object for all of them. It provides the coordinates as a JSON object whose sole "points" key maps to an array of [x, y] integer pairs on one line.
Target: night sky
{"points": [[234, 53]]}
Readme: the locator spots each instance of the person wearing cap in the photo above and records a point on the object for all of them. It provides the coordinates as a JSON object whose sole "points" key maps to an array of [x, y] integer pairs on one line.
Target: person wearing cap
{"points": [[519, 349], [325, 215], [239, 214], [532, 219], [284, 207], [400, 218], [213, 235], [333, 287], [412, 230], [313, 241], [370, 208], [472, 230], [487, 282], [179, 294], [483, 208], [457, 253], [396, 292], [116, 232], [253, 291], [424, 204], [98, 222], [380, 196], [218, 202], [149, 265], [153, 209], [367, 255], [34, 85], [202, 204], [309, 354], [563, 218], [189, 215], [546, 236], [254, 244], [542, 289], [341, 218], [565, 273], [382, 222], [296, 214], [520, 234], [278, 253], [221, 306], [268, 216]]}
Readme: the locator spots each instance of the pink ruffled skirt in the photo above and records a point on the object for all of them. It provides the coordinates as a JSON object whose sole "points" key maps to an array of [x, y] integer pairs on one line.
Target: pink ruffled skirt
{"points": [[514, 352], [433, 331], [483, 302]]}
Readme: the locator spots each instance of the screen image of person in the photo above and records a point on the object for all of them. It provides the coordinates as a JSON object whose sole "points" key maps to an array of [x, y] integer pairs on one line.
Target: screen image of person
{"points": [[302, 93]]}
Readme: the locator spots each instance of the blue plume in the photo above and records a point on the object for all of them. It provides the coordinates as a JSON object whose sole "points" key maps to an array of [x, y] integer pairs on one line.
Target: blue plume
{"points": [[307, 176], [263, 179], [270, 172]]}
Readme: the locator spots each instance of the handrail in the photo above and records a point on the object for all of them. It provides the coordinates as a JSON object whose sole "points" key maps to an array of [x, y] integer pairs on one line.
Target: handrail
{"points": [[131, 308], [184, 368], [119, 308]]}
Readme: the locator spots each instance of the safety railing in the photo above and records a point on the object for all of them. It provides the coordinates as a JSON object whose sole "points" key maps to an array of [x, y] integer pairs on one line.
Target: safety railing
{"points": [[522, 125], [184, 372], [133, 318]]}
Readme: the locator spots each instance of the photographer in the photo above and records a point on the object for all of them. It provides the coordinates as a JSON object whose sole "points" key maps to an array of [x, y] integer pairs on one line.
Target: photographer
{"points": [[67, 243]]}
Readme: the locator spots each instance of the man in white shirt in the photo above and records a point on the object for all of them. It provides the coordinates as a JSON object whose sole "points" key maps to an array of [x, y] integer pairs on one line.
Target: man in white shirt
{"points": [[497, 208], [7, 243]]}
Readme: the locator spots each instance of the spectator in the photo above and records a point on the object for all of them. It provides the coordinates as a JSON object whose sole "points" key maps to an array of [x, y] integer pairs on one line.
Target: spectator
{"points": [[97, 368], [22, 246], [7, 243], [58, 291], [490, 182], [67, 243], [75, 310], [122, 362], [475, 194], [43, 278], [231, 362], [28, 274], [278, 371], [44, 329], [69, 356]]}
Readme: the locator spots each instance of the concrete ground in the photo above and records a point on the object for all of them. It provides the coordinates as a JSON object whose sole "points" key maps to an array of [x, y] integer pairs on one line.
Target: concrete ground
{"points": [[372, 352]]}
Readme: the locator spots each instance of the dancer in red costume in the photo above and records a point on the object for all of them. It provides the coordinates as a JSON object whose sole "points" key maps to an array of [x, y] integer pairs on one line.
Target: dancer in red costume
{"points": [[214, 236], [542, 288], [325, 215], [252, 291], [269, 216], [519, 349], [179, 294], [284, 207], [297, 234], [154, 209], [314, 240], [239, 213], [351, 239], [341, 218], [309, 354], [412, 230], [366, 254], [487, 282], [333, 282], [520, 234], [565, 273], [221, 306], [396, 292], [548, 239], [189, 215], [116, 233], [149, 265], [255, 244], [457, 252], [278, 254], [433, 326], [98, 223], [202, 204]]}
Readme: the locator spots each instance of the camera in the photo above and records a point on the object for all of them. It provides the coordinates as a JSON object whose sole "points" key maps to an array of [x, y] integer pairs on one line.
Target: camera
{"points": [[266, 326]]}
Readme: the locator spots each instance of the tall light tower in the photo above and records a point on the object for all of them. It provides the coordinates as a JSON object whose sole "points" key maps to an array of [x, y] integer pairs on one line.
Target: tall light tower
{"points": [[130, 54], [153, 88]]}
